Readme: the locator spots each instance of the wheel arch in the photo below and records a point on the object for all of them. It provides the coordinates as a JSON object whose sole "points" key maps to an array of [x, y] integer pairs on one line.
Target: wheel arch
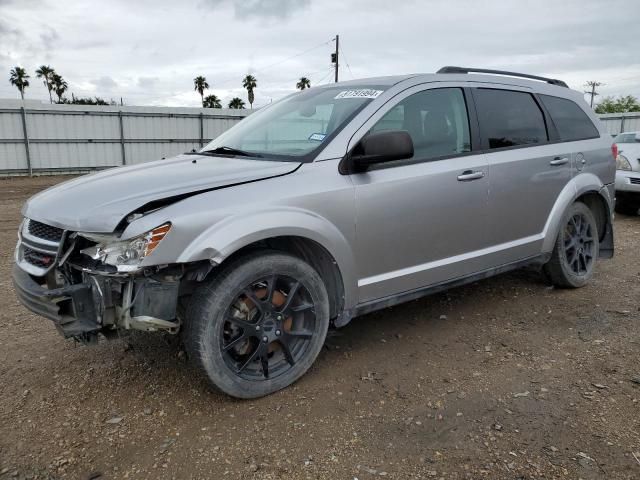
{"points": [[307, 236], [589, 189]]}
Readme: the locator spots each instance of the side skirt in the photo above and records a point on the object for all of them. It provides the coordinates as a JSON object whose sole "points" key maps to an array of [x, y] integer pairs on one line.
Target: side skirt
{"points": [[345, 317]]}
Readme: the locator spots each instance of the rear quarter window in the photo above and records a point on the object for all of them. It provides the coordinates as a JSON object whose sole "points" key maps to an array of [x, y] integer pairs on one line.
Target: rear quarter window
{"points": [[571, 122]]}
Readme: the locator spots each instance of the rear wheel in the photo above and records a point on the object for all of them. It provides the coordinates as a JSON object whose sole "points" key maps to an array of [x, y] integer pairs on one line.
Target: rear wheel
{"points": [[573, 259], [259, 325]]}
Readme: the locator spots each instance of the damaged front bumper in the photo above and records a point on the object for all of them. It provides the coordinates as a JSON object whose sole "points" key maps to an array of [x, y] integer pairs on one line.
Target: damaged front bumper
{"points": [[71, 308], [102, 304]]}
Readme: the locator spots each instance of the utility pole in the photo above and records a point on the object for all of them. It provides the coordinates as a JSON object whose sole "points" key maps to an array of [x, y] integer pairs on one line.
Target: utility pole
{"points": [[334, 57], [593, 92]]}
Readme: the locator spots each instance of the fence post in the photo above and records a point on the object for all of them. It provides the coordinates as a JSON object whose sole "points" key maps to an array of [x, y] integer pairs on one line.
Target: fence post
{"points": [[201, 130], [26, 139], [621, 123], [124, 155]]}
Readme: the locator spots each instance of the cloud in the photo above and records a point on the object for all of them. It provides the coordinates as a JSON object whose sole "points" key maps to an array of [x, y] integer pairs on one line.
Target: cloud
{"points": [[49, 37], [106, 49], [147, 82], [246, 9], [104, 83]]}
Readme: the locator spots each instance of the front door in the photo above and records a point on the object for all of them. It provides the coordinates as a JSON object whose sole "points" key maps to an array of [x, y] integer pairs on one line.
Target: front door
{"points": [[421, 221]]}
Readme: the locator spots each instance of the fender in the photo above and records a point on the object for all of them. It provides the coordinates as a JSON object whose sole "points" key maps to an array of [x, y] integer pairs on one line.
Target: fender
{"points": [[577, 186], [231, 234]]}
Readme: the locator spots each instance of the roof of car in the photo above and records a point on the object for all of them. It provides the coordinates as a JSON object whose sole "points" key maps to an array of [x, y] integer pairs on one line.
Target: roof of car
{"points": [[388, 81], [541, 85]]}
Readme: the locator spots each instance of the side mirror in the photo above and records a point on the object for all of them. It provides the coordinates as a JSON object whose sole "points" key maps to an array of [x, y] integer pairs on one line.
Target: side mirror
{"points": [[380, 147]]}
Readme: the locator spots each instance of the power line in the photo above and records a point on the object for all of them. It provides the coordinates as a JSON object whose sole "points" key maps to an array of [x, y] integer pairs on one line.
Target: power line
{"points": [[280, 62], [346, 61], [326, 76]]}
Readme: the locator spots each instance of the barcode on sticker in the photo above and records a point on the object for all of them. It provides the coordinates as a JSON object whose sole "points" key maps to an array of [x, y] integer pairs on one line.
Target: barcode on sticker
{"points": [[359, 93]]}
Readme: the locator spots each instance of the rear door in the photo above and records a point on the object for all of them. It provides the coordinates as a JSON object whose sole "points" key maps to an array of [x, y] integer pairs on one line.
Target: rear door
{"points": [[528, 169]]}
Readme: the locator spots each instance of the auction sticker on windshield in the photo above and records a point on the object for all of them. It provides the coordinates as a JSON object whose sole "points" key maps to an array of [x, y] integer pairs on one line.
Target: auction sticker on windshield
{"points": [[359, 93], [318, 137]]}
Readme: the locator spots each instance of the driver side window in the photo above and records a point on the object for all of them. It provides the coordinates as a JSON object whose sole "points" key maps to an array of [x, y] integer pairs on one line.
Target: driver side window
{"points": [[436, 120]]}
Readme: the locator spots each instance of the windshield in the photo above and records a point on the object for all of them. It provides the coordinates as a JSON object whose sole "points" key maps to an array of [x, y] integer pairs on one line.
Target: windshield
{"points": [[296, 127], [627, 138]]}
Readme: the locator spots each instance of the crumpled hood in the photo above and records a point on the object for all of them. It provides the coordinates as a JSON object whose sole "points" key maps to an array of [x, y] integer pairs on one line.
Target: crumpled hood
{"points": [[98, 203]]}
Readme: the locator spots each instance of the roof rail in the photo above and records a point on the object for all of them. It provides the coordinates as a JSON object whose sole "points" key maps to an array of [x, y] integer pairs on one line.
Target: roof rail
{"points": [[552, 81]]}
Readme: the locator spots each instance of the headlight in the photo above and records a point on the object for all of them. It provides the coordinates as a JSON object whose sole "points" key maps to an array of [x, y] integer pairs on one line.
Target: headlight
{"points": [[622, 163], [128, 254]]}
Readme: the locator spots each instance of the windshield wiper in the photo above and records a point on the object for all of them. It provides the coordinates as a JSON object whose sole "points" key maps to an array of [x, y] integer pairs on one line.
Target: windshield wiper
{"points": [[228, 151]]}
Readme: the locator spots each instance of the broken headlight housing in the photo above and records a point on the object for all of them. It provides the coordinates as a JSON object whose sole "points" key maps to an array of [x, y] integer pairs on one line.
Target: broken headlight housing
{"points": [[126, 255]]}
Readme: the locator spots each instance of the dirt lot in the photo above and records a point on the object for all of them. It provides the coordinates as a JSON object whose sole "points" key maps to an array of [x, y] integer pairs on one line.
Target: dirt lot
{"points": [[503, 379]]}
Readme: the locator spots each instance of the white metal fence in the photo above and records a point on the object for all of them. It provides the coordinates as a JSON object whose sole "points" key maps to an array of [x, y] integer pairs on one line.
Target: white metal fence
{"points": [[39, 138], [621, 122]]}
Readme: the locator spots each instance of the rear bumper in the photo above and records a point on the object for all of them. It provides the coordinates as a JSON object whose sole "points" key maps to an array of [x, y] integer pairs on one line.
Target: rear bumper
{"points": [[71, 308], [628, 182]]}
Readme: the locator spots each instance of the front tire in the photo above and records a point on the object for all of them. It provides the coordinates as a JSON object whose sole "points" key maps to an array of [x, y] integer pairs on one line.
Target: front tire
{"points": [[574, 256], [258, 325]]}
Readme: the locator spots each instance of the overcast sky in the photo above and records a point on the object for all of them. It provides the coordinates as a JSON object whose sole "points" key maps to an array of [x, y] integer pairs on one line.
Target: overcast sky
{"points": [[149, 51]]}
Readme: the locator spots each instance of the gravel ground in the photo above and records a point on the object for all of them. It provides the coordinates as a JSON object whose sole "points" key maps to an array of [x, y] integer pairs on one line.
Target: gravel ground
{"points": [[507, 378]]}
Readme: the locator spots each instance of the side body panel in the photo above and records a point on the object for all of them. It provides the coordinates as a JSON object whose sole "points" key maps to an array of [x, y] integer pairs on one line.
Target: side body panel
{"points": [[315, 203]]}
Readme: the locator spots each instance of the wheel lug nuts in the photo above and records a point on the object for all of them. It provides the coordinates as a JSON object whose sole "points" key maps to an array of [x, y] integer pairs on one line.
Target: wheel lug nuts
{"points": [[264, 339], [278, 332], [257, 327], [279, 317]]}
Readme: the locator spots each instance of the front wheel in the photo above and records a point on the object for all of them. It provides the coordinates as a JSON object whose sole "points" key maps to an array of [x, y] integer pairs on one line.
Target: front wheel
{"points": [[258, 325], [574, 256]]}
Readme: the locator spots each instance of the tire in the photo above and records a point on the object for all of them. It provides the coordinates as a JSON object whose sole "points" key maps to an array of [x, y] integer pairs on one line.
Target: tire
{"points": [[258, 325], [574, 255], [627, 206]]}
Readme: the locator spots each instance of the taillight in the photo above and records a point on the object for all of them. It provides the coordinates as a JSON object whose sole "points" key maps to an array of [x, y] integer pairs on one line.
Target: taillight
{"points": [[614, 150]]}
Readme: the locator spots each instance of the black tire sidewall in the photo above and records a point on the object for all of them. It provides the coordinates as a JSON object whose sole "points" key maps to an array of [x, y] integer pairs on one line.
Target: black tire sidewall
{"points": [[572, 278], [209, 304]]}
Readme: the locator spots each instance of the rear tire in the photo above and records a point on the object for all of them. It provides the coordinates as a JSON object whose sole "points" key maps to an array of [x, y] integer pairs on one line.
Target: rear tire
{"points": [[258, 325], [574, 256], [627, 206]]}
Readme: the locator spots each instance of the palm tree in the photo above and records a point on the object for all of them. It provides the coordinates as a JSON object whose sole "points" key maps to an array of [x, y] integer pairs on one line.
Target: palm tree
{"points": [[200, 84], [303, 83], [237, 103], [19, 78], [211, 101], [249, 82], [59, 86], [46, 73]]}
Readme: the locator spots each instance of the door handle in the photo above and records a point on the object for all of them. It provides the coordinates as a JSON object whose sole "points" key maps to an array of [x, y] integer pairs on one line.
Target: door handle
{"points": [[559, 161], [469, 175]]}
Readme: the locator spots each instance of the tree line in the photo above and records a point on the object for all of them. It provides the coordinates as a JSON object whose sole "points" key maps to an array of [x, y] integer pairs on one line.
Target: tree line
{"points": [[57, 85], [249, 82], [54, 83]]}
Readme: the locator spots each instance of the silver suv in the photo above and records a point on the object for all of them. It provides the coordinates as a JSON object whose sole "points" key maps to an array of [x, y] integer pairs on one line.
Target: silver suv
{"points": [[331, 203]]}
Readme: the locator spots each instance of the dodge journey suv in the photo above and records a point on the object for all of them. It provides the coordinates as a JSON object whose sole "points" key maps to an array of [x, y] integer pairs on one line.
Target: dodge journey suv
{"points": [[331, 203]]}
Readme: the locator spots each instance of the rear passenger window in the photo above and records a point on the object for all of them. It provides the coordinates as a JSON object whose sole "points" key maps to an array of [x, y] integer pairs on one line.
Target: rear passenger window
{"points": [[570, 120], [509, 119]]}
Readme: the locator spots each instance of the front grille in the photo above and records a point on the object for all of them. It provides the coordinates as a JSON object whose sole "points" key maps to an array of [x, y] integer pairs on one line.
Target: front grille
{"points": [[37, 259], [46, 232], [635, 180], [39, 247]]}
